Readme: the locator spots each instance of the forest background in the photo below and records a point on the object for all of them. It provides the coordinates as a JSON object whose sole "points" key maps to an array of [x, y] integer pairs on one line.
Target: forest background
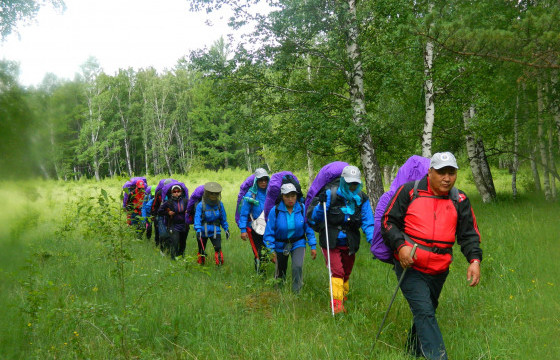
{"points": [[370, 82]]}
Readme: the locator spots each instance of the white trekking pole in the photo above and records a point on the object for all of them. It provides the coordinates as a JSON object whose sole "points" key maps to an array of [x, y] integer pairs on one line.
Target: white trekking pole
{"points": [[328, 256]]}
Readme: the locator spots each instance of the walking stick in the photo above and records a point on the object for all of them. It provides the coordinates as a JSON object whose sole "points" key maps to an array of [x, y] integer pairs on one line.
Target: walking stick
{"points": [[328, 257], [412, 252], [255, 252]]}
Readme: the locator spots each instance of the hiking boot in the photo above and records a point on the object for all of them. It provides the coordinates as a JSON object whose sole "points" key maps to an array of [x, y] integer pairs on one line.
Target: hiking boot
{"points": [[219, 258], [338, 306]]}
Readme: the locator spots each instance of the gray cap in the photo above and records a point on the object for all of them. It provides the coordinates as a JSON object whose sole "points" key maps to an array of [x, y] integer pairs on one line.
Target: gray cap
{"points": [[176, 187], [287, 188], [443, 159], [351, 174], [213, 187], [260, 172]]}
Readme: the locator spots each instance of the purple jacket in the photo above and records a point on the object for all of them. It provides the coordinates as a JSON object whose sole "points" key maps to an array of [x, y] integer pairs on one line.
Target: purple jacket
{"points": [[416, 167]]}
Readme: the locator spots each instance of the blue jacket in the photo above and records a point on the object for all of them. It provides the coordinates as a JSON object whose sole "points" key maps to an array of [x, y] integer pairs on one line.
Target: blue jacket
{"points": [[213, 217], [147, 207], [248, 208], [277, 228], [367, 218]]}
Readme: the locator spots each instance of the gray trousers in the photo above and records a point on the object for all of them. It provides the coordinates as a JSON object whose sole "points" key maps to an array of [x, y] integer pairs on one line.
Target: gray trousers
{"points": [[297, 267]]}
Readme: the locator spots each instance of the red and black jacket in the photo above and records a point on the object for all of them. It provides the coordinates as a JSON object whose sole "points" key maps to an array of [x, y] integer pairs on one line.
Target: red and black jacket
{"points": [[433, 222]]}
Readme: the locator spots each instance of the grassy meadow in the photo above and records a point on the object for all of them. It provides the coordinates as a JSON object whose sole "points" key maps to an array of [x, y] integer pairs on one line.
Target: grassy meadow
{"points": [[76, 283]]}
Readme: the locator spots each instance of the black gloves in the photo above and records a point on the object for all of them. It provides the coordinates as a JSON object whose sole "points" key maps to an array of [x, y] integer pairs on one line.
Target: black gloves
{"points": [[322, 196], [227, 234]]}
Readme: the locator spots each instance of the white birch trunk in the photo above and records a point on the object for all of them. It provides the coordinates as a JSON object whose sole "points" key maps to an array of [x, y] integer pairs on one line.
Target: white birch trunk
{"points": [[248, 158], [515, 166], [534, 168], [485, 168], [473, 158], [387, 174], [541, 142], [551, 163], [428, 97], [310, 172], [372, 171]]}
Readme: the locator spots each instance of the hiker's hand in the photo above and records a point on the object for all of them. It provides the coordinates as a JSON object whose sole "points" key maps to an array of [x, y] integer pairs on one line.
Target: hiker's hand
{"points": [[171, 213], [313, 254], [273, 257], [404, 256], [473, 273], [322, 197], [227, 234], [244, 236]]}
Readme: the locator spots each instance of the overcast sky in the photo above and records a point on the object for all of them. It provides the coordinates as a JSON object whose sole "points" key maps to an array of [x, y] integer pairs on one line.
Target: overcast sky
{"points": [[119, 33]]}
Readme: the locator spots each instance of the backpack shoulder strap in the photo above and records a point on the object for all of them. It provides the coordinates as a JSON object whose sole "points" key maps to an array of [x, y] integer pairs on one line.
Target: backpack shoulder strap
{"points": [[415, 190], [454, 196], [334, 195]]}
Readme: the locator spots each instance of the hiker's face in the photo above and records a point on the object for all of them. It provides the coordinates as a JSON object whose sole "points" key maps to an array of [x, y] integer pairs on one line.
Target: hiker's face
{"points": [[262, 182], [289, 199], [177, 192], [213, 196], [442, 180], [353, 186]]}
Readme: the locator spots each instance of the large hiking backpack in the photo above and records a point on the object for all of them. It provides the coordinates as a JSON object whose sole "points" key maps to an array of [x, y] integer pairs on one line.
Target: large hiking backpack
{"points": [[415, 168], [195, 198], [273, 196], [129, 186], [158, 199], [327, 178], [166, 190], [245, 186]]}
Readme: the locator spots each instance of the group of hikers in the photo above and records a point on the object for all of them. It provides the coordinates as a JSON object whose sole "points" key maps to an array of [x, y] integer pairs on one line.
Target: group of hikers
{"points": [[413, 228]]}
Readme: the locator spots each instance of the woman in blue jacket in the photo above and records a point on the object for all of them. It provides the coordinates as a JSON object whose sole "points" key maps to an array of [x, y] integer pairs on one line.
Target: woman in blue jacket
{"points": [[253, 206], [209, 215], [286, 233]]}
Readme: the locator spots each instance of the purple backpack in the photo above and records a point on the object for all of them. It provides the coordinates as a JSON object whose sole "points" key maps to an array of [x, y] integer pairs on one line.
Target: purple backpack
{"points": [[415, 168], [242, 191], [195, 198], [129, 186], [327, 174], [273, 190], [165, 190]]}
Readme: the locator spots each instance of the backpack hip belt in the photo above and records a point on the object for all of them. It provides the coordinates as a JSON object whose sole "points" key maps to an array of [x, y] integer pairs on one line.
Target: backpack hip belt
{"points": [[433, 249], [291, 240]]}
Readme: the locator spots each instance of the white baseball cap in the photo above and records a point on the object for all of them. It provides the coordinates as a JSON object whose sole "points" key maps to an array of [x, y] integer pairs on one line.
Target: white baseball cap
{"points": [[443, 159], [351, 174], [287, 188], [260, 172]]}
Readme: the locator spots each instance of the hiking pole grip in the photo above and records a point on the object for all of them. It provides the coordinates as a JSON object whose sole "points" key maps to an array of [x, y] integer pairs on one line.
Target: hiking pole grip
{"points": [[412, 252], [328, 256]]}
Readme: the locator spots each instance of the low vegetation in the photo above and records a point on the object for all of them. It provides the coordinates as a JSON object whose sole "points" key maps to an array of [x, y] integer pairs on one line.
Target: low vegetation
{"points": [[77, 283]]}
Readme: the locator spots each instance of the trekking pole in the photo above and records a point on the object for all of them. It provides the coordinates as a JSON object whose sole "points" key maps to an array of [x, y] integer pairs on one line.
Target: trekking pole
{"points": [[328, 257], [412, 252], [255, 252]]}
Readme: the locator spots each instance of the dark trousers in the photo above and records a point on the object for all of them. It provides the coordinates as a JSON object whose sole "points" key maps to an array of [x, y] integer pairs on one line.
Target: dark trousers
{"points": [[261, 252], [422, 293], [202, 242], [177, 243]]}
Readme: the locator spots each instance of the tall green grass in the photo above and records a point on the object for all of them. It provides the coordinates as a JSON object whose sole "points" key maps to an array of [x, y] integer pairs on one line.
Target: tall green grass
{"points": [[81, 285]]}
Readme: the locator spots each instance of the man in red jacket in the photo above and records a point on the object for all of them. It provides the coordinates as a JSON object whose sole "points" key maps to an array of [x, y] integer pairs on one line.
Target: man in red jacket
{"points": [[432, 214]]}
